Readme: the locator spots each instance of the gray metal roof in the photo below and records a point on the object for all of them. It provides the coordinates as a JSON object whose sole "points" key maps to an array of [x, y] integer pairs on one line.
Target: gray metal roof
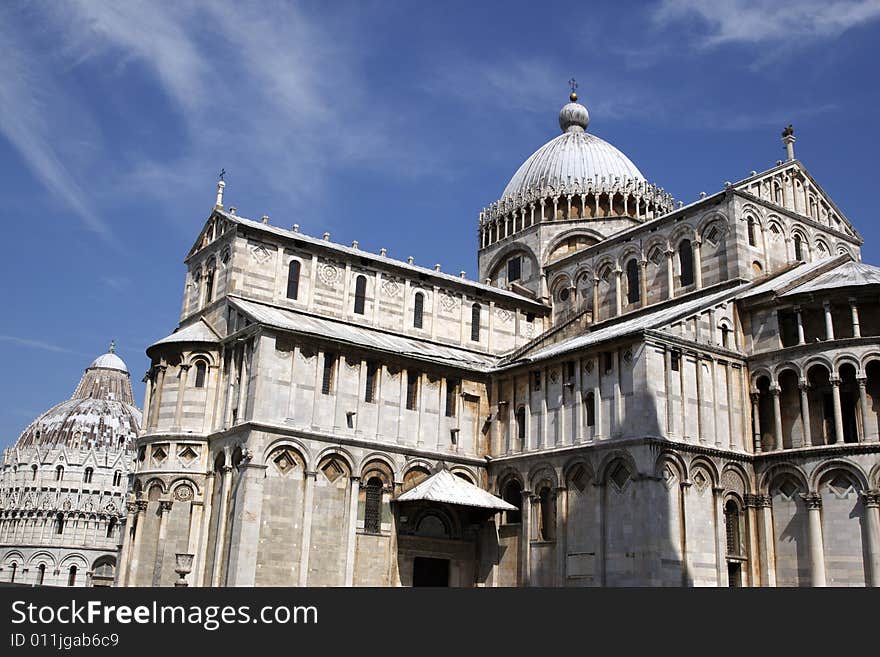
{"points": [[197, 332], [292, 320], [849, 274], [445, 487], [792, 276]]}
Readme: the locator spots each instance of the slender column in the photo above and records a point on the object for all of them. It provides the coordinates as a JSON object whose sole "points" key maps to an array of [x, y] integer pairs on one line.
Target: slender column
{"points": [[814, 533], [643, 282], [164, 510], [829, 325], [698, 263], [729, 378], [756, 420], [545, 391], [800, 324], [148, 416], [157, 394], [838, 412], [138, 541], [181, 392], [670, 275], [700, 390], [618, 294], [863, 407], [687, 567], [871, 500], [777, 417], [244, 538], [753, 532], [856, 329], [525, 538], [352, 533], [670, 411], [720, 538], [804, 387], [225, 481], [125, 552], [768, 555], [561, 524], [713, 371], [595, 317], [243, 386], [305, 547], [578, 403]]}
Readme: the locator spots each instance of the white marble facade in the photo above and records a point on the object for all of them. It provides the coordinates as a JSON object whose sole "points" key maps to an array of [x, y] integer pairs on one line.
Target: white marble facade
{"points": [[669, 394]]}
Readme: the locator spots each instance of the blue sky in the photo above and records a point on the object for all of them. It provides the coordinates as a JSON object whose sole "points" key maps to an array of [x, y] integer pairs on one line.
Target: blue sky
{"points": [[391, 123]]}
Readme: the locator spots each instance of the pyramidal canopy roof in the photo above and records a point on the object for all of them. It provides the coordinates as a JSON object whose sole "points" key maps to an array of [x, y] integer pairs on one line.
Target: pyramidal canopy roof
{"points": [[849, 274], [445, 487]]}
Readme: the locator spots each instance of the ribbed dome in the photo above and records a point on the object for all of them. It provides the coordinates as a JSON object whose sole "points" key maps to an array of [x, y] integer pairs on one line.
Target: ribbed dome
{"points": [[573, 159], [101, 412]]}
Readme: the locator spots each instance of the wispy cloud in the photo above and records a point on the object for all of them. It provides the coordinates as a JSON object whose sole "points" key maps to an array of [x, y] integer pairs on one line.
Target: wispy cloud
{"points": [[117, 283], [36, 344], [757, 21]]}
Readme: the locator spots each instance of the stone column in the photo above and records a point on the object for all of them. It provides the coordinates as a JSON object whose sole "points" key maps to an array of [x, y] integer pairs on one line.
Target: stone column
{"points": [[698, 262], [305, 543], [125, 552], [643, 281], [803, 386], [148, 395], [752, 527], [838, 412], [595, 299], [561, 524], [164, 510], [720, 538], [618, 295], [829, 324], [855, 318], [670, 275], [157, 394], [181, 392], [871, 500], [863, 407], [138, 542], [245, 536], [220, 538], [687, 568], [351, 528], [201, 560], [525, 538], [814, 536], [768, 554], [670, 413], [800, 324], [578, 402], [777, 417]]}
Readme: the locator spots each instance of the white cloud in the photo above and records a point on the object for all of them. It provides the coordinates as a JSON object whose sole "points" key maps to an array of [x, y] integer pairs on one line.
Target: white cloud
{"points": [[35, 344], [756, 21]]}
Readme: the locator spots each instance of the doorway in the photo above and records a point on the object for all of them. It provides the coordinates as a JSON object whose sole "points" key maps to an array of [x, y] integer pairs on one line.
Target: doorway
{"points": [[430, 572]]}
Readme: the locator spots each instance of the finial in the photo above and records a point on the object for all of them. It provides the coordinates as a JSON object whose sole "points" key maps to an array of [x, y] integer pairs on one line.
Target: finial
{"points": [[383, 252], [265, 218], [410, 260], [788, 139], [295, 228], [572, 83], [326, 237], [220, 185], [437, 267], [354, 244], [112, 348], [461, 274]]}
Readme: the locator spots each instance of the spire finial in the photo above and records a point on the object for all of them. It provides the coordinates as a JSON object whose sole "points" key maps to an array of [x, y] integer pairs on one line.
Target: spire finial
{"points": [[788, 139], [112, 349], [220, 185], [572, 83]]}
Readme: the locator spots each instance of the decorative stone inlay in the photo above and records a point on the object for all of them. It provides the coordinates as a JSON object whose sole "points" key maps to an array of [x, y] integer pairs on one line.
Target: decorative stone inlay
{"points": [[390, 287], [328, 274], [588, 366], [701, 480], [183, 493], [503, 315], [448, 302], [620, 476], [260, 253]]}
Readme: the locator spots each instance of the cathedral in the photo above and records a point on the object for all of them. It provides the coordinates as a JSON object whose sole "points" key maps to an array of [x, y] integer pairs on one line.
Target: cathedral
{"points": [[64, 484], [635, 392]]}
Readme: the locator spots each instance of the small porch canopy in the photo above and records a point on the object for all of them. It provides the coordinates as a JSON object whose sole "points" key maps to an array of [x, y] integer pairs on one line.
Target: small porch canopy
{"points": [[443, 486]]}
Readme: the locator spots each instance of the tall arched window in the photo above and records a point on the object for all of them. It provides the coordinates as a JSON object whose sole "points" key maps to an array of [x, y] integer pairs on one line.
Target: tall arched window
{"points": [[111, 526], [59, 523], [373, 506], [41, 574], [71, 576], [293, 279], [59, 472], [209, 286], [360, 294], [201, 373], [686, 263], [512, 494], [117, 478], [475, 322], [327, 377], [633, 291], [590, 403], [418, 309], [521, 422], [87, 475], [732, 523], [547, 521], [33, 472], [798, 248], [751, 230]]}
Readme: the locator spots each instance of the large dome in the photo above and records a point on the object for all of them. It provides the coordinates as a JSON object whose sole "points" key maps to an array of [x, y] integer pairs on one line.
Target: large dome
{"points": [[101, 412]]}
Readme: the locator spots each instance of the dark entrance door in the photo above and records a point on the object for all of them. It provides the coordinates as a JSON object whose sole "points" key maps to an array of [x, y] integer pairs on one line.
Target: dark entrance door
{"points": [[430, 572]]}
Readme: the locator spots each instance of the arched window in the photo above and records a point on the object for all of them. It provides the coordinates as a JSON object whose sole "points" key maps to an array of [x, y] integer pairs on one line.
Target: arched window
{"points": [[59, 472], [59, 523], [725, 336], [633, 291], [111, 526], [360, 294], [418, 309], [732, 523], [201, 373], [475, 322], [87, 475], [71, 576], [293, 279], [209, 286], [686, 263], [777, 193], [327, 378], [103, 572], [373, 506], [412, 390], [798, 248], [41, 574], [33, 472], [547, 521], [521, 422], [117, 478], [590, 403], [751, 229], [512, 494]]}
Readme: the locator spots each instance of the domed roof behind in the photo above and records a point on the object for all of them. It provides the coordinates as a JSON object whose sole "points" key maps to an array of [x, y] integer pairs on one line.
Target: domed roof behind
{"points": [[573, 161], [100, 414]]}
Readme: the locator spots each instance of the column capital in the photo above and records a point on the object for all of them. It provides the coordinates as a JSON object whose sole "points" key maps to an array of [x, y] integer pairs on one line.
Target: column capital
{"points": [[752, 500], [813, 500], [852, 300], [826, 304], [185, 366], [834, 380], [871, 497], [141, 505], [862, 381], [165, 505], [311, 473], [131, 507], [803, 384], [226, 469], [775, 390], [755, 397]]}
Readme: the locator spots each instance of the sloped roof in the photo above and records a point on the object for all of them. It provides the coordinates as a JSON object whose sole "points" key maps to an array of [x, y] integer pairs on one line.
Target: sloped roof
{"points": [[200, 331], [443, 486], [849, 274], [298, 322], [803, 272]]}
